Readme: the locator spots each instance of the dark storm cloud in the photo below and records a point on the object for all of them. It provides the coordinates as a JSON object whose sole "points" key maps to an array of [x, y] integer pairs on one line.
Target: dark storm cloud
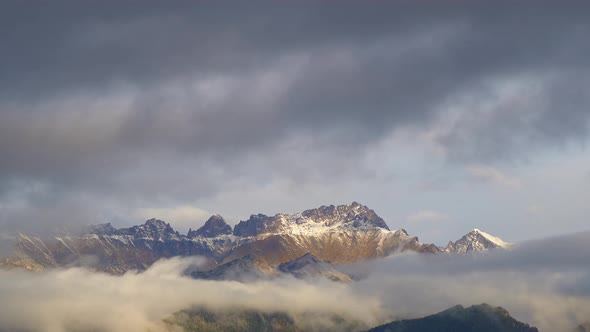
{"points": [[368, 67], [541, 114], [98, 97]]}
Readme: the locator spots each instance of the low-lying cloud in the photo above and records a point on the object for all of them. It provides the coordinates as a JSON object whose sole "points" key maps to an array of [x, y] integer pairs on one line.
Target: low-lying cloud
{"points": [[78, 299], [543, 283]]}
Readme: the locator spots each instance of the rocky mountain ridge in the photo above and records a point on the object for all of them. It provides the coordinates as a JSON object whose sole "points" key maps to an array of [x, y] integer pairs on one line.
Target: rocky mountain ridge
{"points": [[251, 267], [338, 234]]}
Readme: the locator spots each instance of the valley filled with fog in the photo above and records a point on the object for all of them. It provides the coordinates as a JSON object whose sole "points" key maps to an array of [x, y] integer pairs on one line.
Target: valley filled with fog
{"points": [[543, 282]]}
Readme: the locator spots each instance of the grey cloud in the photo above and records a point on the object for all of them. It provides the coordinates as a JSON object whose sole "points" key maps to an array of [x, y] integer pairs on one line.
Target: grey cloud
{"points": [[107, 99], [383, 80], [369, 69], [550, 113]]}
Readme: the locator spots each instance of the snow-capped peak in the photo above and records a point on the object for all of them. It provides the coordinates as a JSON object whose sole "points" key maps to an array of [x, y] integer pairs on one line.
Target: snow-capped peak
{"points": [[495, 240], [476, 240], [314, 221]]}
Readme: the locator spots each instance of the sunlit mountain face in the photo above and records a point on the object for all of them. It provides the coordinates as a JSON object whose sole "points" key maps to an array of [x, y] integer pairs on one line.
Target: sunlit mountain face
{"points": [[294, 166], [337, 234], [355, 274]]}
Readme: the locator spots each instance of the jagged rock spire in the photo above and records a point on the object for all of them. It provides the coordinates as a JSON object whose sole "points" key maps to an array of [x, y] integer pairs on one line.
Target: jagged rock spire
{"points": [[213, 227]]}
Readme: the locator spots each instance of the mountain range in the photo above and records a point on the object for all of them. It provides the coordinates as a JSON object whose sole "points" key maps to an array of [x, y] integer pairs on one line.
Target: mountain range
{"points": [[329, 234]]}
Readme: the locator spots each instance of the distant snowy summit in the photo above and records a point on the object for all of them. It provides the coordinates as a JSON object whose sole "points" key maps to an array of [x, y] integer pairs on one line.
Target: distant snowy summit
{"points": [[476, 241]]}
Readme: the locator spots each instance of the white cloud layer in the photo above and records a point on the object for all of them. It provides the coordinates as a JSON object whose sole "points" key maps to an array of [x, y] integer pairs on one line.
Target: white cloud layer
{"points": [[544, 283]]}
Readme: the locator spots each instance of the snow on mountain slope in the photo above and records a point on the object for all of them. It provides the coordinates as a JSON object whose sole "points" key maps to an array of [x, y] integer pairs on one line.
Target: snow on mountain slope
{"points": [[338, 234], [496, 240], [312, 222], [476, 241]]}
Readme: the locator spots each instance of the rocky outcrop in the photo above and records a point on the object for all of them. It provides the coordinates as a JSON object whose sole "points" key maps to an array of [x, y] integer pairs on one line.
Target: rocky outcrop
{"points": [[356, 215], [215, 226], [309, 266], [259, 224], [242, 269]]}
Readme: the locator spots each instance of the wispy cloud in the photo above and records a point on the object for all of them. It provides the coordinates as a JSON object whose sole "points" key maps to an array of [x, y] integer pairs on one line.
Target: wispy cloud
{"points": [[427, 216], [494, 176]]}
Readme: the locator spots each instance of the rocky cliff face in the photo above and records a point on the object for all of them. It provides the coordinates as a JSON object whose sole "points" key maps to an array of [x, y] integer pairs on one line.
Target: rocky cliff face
{"points": [[309, 266], [259, 224], [215, 226], [339, 234], [251, 267], [352, 217], [242, 269]]}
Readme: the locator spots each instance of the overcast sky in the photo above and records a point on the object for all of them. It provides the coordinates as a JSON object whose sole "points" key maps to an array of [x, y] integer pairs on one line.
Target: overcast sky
{"points": [[442, 117]]}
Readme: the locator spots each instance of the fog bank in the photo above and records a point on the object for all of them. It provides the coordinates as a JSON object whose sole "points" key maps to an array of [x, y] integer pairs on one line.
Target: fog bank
{"points": [[543, 283]]}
